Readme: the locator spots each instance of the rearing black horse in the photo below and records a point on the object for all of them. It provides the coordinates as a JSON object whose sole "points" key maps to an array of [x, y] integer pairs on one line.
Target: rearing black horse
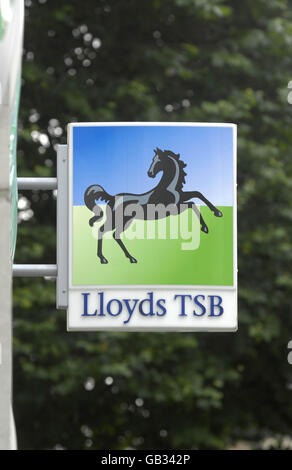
{"points": [[168, 193]]}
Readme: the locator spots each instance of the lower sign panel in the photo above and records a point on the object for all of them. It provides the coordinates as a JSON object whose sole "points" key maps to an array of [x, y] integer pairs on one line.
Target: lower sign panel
{"points": [[152, 227], [153, 310]]}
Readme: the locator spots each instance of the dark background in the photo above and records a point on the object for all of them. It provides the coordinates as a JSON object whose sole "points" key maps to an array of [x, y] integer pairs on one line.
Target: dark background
{"points": [[152, 60]]}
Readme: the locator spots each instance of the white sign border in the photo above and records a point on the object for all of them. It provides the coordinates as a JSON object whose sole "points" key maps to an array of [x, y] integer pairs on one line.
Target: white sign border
{"points": [[153, 287]]}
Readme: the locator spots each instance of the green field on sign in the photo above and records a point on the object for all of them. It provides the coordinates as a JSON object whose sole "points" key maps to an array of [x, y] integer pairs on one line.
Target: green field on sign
{"points": [[160, 261]]}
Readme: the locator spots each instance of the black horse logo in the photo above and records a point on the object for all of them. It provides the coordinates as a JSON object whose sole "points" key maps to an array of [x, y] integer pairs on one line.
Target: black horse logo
{"points": [[168, 193]]}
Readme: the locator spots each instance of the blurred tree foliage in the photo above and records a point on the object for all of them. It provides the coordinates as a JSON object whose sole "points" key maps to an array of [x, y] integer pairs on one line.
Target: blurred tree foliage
{"points": [[169, 60]]}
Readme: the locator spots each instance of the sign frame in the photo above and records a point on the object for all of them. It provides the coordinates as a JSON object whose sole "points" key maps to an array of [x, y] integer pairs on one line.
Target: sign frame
{"points": [[135, 290]]}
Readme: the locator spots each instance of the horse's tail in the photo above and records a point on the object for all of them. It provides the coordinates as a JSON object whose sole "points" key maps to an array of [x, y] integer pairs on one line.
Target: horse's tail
{"points": [[95, 193]]}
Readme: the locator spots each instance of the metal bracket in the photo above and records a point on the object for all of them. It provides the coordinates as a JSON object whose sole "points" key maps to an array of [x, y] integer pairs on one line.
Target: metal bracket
{"points": [[37, 183], [62, 227], [34, 270], [60, 270]]}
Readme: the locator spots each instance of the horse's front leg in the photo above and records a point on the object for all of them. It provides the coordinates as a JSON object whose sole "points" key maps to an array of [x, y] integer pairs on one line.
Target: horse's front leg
{"points": [[191, 194], [192, 205], [204, 228]]}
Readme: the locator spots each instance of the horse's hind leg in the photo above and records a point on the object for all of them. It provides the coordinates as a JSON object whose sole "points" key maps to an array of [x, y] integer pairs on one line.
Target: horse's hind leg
{"points": [[117, 237], [121, 244], [102, 230], [103, 260], [106, 227], [191, 194]]}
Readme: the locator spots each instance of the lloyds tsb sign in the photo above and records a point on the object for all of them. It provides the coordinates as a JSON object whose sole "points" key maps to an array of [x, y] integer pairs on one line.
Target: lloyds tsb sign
{"points": [[152, 227]]}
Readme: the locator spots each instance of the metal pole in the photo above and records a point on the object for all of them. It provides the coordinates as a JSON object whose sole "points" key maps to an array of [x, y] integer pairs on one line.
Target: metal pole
{"points": [[34, 270], [37, 183]]}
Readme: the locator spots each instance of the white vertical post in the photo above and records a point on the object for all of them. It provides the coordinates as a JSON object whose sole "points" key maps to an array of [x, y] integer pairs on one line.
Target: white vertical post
{"points": [[5, 285], [11, 17]]}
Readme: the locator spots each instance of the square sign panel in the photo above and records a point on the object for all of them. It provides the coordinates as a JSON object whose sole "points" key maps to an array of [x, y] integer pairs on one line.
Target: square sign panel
{"points": [[152, 227]]}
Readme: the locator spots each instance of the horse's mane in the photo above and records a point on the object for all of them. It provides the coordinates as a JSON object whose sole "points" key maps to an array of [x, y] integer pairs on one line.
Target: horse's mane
{"points": [[182, 165]]}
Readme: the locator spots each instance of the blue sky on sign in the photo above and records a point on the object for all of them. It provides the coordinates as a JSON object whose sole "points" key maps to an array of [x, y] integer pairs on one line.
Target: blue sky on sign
{"points": [[118, 158]]}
